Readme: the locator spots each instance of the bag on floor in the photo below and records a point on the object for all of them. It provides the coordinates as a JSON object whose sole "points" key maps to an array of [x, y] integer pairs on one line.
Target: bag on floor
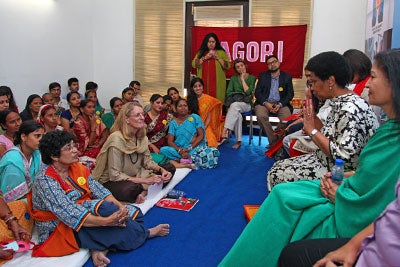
{"points": [[206, 157]]}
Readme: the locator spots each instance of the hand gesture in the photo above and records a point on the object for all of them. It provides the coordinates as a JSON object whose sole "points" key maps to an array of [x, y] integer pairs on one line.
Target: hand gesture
{"points": [[155, 179], [346, 256], [165, 176], [328, 188], [118, 218], [20, 233], [276, 108], [309, 115]]}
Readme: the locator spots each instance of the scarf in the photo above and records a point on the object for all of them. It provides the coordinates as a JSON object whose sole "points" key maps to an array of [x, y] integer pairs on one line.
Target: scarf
{"points": [[117, 140]]}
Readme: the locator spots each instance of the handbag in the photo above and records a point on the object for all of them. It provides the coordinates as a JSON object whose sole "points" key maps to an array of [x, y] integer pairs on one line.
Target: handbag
{"points": [[237, 97], [206, 157]]}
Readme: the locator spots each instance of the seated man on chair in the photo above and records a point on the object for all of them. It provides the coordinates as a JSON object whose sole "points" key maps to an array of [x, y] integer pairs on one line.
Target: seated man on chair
{"points": [[273, 93]]}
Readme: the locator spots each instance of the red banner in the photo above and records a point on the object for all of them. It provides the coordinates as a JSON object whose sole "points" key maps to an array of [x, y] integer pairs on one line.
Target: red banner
{"points": [[254, 44]]}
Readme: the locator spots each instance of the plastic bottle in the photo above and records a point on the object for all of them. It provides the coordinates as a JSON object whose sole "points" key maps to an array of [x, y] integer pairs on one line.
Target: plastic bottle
{"points": [[337, 172]]}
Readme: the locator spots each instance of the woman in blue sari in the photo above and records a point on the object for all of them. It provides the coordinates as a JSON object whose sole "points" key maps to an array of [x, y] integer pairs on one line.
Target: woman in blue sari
{"points": [[187, 141]]}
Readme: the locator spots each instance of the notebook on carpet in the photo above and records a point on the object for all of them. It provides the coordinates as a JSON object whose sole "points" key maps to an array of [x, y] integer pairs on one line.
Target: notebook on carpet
{"points": [[182, 203]]}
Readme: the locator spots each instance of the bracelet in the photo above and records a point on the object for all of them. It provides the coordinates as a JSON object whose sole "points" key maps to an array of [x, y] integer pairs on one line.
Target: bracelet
{"points": [[12, 217], [313, 132]]}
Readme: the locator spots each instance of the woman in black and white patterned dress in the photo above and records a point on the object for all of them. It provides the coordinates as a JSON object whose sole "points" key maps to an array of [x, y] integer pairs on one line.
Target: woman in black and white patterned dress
{"points": [[347, 129]]}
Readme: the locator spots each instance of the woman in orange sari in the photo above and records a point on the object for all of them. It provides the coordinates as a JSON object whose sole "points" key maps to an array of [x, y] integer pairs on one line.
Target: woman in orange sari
{"points": [[208, 108]]}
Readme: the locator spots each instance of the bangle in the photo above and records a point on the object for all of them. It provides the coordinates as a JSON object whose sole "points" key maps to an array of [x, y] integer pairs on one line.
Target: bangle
{"points": [[179, 150], [313, 132], [9, 219]]}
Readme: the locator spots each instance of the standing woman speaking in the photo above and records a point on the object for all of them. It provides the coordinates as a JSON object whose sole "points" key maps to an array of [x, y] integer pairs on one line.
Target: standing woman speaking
{"points": [[211, 62]]}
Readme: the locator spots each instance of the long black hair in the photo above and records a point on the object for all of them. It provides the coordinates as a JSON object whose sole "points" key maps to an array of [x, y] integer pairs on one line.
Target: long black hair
{"points": [[204, 47], [26, 128], [193, 102]]}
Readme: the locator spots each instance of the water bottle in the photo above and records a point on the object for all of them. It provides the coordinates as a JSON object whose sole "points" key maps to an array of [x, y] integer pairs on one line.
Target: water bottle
{"points": [[337, 172]]}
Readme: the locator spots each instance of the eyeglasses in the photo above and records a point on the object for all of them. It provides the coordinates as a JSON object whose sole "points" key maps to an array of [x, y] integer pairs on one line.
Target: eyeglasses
{"points": [[70, 147], [137, 115], [272, 62]]}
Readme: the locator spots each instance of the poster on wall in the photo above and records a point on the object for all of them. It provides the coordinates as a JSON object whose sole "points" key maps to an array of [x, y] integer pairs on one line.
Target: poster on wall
{"points": [[379, 26], [254, 44]]}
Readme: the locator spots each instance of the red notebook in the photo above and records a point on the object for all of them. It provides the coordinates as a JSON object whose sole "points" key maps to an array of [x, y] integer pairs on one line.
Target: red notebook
{"points": [[250, 210], [182, 203]]}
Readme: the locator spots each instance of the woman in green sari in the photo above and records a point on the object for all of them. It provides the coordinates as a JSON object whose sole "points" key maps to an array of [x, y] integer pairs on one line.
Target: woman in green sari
{"points": [[320, 208]]}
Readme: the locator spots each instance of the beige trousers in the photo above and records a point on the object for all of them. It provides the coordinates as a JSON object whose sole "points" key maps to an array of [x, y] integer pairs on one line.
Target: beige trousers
{"points": [[262, 114]]}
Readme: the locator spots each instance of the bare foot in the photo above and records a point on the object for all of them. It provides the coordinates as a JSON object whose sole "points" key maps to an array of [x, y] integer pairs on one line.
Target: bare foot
{"points": [[159, 230], [141, 197], [237, 145], [180, 165], [99, 258]]}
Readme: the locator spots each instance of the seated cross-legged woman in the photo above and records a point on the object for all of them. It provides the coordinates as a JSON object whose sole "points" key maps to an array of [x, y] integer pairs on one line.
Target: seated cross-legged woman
{"points": [[72, 210], [186, 139], [124, 164]]}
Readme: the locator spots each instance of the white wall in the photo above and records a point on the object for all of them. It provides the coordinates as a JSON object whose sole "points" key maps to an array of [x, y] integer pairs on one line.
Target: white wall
{"points": [[52, 40], [338, 25]]}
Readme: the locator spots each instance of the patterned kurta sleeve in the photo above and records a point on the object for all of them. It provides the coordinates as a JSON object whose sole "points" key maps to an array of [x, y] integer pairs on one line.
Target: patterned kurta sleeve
{"points": [[48, 195], [349, 126], [98, 191]]}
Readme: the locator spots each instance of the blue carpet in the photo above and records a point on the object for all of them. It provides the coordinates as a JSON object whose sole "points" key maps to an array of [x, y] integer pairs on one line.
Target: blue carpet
{"points": [[203, 236]]}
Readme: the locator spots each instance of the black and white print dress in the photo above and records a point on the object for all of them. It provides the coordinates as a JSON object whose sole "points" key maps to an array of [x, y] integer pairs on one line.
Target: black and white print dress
{"points": [[349, 126]]}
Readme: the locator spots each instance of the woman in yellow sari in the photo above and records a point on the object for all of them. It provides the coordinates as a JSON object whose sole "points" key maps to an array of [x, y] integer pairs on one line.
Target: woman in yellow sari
{"points": [[208, 108]]}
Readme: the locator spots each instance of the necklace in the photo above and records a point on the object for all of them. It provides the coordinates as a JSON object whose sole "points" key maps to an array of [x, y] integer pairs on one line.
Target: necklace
{"points": [[134, 157]]}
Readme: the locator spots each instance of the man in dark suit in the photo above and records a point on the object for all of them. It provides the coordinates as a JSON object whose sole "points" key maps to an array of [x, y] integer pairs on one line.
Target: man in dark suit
{"points": [[273, 93]]}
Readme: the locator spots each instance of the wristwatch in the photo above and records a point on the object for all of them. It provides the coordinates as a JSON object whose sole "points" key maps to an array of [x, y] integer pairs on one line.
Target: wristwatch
{"points": [[313, 132]]}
